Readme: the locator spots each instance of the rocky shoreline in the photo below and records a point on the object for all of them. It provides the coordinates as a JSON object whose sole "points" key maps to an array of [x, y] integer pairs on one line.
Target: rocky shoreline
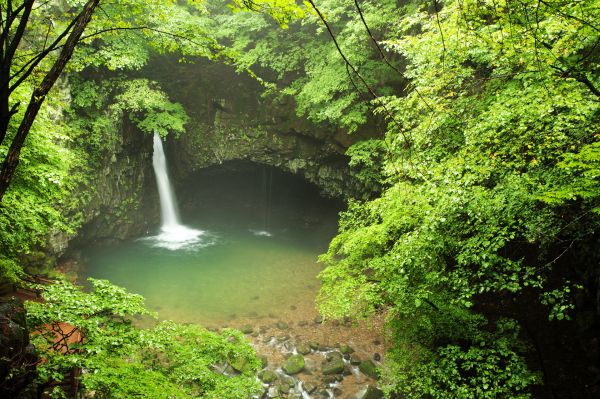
{"points": [[317, 359]]}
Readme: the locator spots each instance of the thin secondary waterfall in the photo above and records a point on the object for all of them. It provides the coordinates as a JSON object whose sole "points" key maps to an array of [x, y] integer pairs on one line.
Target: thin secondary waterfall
{"points": [[168, 206], [173, 235]]}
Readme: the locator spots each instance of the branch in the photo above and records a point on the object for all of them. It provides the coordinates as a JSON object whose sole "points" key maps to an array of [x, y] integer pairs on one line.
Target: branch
{"points": [[11, 15], [38, 96], [362, 79], [32, 63], [14, 43], [382, 53]]}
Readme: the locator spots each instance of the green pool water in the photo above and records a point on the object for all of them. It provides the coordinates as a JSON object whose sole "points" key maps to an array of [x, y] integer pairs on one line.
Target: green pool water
{"points": [[256, 259]]}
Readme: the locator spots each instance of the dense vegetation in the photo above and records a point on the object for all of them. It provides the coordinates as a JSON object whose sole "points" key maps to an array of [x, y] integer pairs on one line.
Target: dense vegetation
{"points": [[484, 168]]}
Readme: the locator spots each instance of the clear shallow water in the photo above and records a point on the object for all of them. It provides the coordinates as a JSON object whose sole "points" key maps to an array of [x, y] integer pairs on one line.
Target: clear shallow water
{"points": [[263, 231]]}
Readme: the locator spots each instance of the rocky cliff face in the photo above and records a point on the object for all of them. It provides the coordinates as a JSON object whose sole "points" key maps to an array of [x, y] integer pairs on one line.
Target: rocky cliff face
{"points": [[232, 121], [123, 199]]}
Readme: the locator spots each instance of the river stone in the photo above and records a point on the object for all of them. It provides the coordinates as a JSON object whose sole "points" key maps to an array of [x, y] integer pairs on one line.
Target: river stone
{"points": [[323, 348], [314, 345], [282, 325], [283, 388], [303, 348], [329, 379], [289, 381], [247, 329], [347, 371], [369, 368], [288, 346], [268, 339], [268, 376], [283, 338], [309, 387], [355, 360], [294, 364], [309, 365], [372, 392], [333, 355], [333, 365], [346, 349]]}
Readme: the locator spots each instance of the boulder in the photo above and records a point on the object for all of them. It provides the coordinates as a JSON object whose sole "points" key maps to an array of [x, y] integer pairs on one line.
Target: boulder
{"points": [[333, 365], [372, 392], [247, 329], [369, 368], [294, 364], [282, 325], [303, 348], [268, 376]]}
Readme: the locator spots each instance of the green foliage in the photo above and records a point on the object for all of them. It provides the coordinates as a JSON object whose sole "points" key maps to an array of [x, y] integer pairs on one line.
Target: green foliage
{"points": [[492, 167], [149, 108], [579, 178], [120, 360], [366, 160], [302, 62], [471, 362], [38, 203]]}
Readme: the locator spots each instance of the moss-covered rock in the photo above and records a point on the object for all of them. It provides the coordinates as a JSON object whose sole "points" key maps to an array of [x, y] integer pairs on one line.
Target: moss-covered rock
{"points": [[303, 348], [268, 376], [333, 365], [294, 364], [369, 368]]}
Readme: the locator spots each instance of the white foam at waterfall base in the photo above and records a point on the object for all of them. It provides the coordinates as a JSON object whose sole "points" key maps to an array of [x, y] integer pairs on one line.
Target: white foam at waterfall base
{"points": [[173, 235], [179, 237]]}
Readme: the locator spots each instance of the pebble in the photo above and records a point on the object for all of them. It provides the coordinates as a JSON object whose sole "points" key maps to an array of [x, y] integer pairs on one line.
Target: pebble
{"points": [[282, 325]]}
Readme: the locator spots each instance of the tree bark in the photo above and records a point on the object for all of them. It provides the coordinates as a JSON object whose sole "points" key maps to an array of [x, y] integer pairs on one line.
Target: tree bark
{"points": [[11, 160]]}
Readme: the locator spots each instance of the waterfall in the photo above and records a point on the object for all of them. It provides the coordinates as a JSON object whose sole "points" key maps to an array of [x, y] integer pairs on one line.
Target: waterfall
{"points": [[168, 206], [173, 235]]}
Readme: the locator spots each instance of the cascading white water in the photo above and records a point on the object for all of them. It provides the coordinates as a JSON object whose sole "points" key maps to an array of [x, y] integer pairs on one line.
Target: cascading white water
{"points": [[168, 206], [173, 235]]}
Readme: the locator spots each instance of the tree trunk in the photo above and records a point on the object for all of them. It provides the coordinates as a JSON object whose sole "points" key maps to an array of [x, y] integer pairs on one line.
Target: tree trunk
{"points": [[11, 161]]}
